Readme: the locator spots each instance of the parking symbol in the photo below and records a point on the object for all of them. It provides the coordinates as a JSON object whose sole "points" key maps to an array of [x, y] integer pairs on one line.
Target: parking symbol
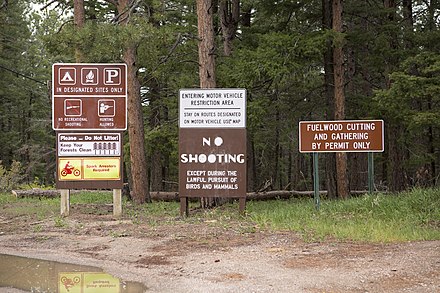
{"points": [[67, 76], [112, 76]]}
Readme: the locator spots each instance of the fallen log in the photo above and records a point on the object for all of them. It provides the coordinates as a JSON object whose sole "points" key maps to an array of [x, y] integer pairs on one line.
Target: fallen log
{"points": [[174, 196], [52, 193], [36, 192], [279, 194]]}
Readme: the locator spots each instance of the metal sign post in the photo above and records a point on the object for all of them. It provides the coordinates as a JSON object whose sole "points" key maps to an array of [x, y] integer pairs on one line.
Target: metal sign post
{"points": [[341, 136], [370, 173], [316, 197]]}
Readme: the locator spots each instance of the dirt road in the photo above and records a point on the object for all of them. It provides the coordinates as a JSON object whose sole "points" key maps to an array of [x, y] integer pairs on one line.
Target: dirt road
{"points": [[204, 256]]}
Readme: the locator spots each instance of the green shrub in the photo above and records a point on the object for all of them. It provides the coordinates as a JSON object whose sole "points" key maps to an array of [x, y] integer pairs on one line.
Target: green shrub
{"points": [[10, 179]]}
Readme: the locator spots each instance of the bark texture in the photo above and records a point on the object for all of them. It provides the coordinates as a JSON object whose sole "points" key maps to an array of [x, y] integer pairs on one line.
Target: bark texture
{"points": [[78, 19], [339, 96], [139, 189], [206, 44], [229, 18], [330, 158]]}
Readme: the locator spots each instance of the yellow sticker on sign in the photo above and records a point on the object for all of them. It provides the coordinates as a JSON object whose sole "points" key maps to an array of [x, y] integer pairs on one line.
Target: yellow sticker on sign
{"points": [[78, 169], [70, 169], [70, 282], [87, 282], [101, 168], [100, 283]]}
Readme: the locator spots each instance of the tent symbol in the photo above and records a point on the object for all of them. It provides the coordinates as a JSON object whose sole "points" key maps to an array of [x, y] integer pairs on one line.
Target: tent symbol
{"points": [[67, 76]]}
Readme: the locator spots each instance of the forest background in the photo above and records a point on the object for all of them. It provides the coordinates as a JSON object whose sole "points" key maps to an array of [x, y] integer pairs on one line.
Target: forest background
{"points": [[281, 52]]}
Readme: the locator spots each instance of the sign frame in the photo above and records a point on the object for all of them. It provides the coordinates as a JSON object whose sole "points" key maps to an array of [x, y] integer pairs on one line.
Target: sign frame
{"points": [[368, 137]]}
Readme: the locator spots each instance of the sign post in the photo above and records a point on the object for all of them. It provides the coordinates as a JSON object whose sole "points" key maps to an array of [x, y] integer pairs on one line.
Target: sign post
{"points": [[89, 114], [342, 136], [370, 173], [212, 145], [316, 197]]}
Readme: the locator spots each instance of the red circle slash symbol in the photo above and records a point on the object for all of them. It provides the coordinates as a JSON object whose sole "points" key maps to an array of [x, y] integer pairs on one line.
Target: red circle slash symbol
{"points": [[73, 107]]}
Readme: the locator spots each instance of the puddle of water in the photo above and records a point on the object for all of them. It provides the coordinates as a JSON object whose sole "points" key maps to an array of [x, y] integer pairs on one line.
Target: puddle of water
{"points": [[42, 276]]}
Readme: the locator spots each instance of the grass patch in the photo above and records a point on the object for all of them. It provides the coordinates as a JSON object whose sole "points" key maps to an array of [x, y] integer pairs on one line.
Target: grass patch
{"points": [[407, 216], [29, 207], [91, 197]]}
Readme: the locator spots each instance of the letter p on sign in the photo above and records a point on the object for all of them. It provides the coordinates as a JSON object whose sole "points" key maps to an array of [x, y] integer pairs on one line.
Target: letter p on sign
{"points": [[112, 76]]}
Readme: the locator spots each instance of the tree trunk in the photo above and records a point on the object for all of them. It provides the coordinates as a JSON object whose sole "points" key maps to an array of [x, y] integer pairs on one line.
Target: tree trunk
{"points": [[330, 162], [206, 59], [78, 19], [358, 166], [398, 176], [206, 44], [174, 196], [277, 151], [229, 18], [408, 14], [140, 189], [338, 69]]}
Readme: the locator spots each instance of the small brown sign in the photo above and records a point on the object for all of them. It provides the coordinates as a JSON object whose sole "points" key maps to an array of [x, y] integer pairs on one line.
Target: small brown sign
{"points": [[341, 136], [89, 96], [212, 162], [89, 160]]}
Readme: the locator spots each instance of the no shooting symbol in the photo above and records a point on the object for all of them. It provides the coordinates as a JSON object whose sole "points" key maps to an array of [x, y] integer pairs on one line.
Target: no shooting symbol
{"points": [[73, 107]]}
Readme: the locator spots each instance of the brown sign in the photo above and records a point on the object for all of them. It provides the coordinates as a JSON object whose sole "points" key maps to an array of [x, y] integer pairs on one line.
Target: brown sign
{"points": [[212, 162], [89, 97], [341, 136], [89, 160]]}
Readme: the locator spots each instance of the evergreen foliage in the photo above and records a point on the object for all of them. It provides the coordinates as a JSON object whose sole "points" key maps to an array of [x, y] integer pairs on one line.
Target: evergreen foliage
{"points": [[392, 64]]}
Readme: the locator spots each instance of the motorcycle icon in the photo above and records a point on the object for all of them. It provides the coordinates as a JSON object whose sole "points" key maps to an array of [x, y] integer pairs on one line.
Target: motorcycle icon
{"points": [[70, 169], [69, 283]]}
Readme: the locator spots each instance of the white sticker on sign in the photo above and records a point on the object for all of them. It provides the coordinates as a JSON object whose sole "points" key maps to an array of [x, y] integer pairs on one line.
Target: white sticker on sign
{"points": [[89, 144], [212, 108]]}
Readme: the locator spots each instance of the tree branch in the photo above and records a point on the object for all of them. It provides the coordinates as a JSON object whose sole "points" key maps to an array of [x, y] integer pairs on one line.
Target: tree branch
{"points": [[114, 2], [4, 4]]}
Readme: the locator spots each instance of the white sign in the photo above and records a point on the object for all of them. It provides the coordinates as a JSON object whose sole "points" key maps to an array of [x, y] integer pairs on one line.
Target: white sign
{"points": [[212, 108], [89, 144]]}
